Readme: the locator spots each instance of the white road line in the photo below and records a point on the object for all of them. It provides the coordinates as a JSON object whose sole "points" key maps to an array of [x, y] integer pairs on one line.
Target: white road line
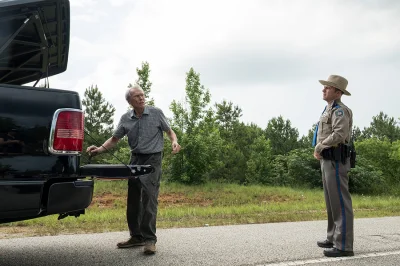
{"points": [[313, 261]]}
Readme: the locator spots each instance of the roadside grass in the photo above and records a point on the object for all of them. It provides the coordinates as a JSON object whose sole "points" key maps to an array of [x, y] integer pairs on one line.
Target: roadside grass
{"points": [[206, 205]]}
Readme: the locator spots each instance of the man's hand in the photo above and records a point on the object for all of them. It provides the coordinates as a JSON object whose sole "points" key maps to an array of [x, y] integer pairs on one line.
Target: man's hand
{"points": [[317, 156], [109, 144], [93, 150], [175, 147]]}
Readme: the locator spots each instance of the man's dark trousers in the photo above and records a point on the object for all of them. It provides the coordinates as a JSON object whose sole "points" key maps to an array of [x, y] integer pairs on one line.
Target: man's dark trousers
{"points": [[142, 201]]}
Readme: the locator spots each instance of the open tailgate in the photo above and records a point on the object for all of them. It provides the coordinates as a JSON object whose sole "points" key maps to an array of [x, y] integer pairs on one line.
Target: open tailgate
{"points": [[115, 171]]}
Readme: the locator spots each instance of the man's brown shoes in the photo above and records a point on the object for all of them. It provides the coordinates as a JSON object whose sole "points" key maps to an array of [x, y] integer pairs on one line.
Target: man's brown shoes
{"points": [[132, 242]]}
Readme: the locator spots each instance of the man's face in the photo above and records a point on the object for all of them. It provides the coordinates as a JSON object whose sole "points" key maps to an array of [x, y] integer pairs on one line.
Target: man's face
{"points": [[329, 94], [137, 99]]}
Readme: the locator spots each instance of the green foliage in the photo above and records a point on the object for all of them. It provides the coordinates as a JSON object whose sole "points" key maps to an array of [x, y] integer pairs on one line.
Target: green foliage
{"points": [[356, 134], [98, 119], [217, 146], [197, 98], [188, 115], [259, 162], [382, 127], [120, 154], [236, 151], [199, 139], [179, 116], [365, 178], [395, 154], [283, 137], [144, 82], [279, 172], [227, 116], [98, 112], [303, 168], [197, 159], [379, 154], [230, 164], [306, 141], [298, 168], [244, 135]]}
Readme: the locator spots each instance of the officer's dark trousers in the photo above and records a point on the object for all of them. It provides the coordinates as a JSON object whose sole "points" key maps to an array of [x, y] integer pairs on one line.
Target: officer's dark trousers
{"points": [[142, 202], [338, 203]]}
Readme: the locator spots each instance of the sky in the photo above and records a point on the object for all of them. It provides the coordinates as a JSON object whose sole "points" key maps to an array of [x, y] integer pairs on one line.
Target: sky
{"points": [[266, 56]]}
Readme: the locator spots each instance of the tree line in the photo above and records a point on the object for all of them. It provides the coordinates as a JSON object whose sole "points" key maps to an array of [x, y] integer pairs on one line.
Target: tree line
{"points": [[217, 147]]}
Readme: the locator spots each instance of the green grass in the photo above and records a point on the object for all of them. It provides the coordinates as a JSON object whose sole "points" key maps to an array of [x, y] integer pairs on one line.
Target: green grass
{"points": [[192, 206]]}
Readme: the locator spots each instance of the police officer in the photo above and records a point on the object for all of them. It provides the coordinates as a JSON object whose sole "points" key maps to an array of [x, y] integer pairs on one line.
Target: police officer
{"points": [[331, 136]]}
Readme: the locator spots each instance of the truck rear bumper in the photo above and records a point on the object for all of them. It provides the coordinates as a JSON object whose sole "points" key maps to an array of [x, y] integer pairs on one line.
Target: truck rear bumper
{"points": [[69, 196]]}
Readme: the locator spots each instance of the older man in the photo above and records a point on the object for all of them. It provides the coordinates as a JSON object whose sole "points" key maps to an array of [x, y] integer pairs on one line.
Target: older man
{"points": [[144, 127], [331, 136]]}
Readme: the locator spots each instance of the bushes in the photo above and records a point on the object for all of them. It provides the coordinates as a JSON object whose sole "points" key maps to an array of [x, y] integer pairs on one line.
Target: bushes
{"points": [[247, 157], [365, 179], [259, 162], [298, 168]]}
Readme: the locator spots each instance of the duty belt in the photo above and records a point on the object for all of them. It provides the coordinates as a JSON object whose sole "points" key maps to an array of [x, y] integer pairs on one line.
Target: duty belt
{"points": [[339, 153]]}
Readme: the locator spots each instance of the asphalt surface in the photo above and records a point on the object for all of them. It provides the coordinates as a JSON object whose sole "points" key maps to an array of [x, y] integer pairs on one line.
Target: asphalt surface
{"points": [[377, 242]]}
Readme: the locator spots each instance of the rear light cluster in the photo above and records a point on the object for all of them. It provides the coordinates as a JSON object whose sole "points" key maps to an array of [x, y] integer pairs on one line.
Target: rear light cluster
{"points": [[67, 131]]}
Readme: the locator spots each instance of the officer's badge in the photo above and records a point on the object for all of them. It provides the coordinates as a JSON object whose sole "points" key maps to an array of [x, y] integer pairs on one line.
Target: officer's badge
{"points": [[339, 113]]}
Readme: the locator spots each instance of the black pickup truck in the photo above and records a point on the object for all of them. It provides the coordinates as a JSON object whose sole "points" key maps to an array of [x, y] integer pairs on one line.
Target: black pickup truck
{"points": [[42, 129]]}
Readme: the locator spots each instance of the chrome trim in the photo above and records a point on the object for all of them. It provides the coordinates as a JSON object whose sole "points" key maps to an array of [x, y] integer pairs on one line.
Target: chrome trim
{"points": [[53, 129]]}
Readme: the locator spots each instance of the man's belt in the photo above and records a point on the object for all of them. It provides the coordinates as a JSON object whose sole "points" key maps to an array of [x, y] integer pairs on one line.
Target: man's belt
{"points": [[136, 154]]}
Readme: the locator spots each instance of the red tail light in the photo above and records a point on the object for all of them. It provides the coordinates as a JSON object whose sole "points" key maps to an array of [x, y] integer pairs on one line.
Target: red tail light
{"points": [[67, 131]]}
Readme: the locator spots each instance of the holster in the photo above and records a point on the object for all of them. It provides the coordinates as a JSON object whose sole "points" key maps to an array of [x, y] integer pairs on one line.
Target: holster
{"points": [[338, 153], [353, 155]]}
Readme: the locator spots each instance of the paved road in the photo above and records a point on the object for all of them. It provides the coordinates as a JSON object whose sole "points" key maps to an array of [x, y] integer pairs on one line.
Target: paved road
{"points": [[377, 242]]}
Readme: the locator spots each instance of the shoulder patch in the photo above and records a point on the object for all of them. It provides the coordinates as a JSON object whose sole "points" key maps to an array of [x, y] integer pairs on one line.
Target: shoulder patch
{"points": [[339, 112]]}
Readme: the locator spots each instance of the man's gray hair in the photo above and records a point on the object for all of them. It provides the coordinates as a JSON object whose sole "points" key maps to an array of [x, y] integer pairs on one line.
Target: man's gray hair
{"points": [[128, 91]]}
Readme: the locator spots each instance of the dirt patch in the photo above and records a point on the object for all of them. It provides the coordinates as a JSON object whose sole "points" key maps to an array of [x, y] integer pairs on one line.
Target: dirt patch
{"points": [[279, 198], [105, 200], [179, 199], [15, 232]]}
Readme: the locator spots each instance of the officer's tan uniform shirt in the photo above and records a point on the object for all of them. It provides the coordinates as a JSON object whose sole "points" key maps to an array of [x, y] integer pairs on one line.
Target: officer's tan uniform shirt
{"points": [[334, 126]]}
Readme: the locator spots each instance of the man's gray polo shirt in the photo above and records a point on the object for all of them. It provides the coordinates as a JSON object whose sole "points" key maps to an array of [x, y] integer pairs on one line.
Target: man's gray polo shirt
{"points": [[145, 134]]}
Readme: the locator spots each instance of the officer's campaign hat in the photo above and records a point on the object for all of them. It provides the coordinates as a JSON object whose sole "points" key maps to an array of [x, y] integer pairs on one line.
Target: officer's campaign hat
{"points": [[338, 82]]}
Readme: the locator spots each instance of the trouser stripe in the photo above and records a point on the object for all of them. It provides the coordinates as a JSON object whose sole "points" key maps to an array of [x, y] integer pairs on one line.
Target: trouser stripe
{"points": [[341, 206]]}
